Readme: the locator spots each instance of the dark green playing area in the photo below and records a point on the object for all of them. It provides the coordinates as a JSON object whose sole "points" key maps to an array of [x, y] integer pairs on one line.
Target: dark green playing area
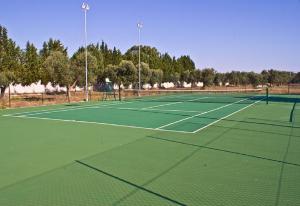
{"points": [[177, 149]]}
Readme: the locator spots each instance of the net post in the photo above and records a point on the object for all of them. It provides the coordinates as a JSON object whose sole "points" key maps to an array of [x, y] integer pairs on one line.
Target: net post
{"points": [[119, 91], [292, 112], [267, 95]]}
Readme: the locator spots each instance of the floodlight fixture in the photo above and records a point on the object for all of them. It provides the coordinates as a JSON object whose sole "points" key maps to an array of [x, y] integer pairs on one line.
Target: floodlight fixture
{"points": [[85, 6], [140, 25]]}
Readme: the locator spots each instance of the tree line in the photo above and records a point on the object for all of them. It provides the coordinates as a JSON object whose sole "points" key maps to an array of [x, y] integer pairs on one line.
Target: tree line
{"points": [[52, 63]]}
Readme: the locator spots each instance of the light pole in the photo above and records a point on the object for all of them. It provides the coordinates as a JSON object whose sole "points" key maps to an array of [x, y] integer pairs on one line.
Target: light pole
{"points": [[85, 8], [140, 26]]}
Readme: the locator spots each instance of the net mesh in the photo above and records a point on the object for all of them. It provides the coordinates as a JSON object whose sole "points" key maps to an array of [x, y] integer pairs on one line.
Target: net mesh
{"points": [[205, 96], [293, 88]]}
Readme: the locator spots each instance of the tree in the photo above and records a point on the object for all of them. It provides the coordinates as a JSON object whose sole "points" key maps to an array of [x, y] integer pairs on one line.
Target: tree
{"points": [[31, 72], [130, 72], [265, 76], [197, 75], [156, 77], [116, 56], [95, 51], [106, 54], [57, 68], [185, 77], [167, 67], [145, 73], [208, 76], [273, 77], [52, 46], [243, 78], [219, 78], [175, 77], [149, 55], [78, 65], [184, 65], [192, 78], [112, 57], [125, 73], [10, 61], [110, 73], [254, 79], [233, 78], [296, 78]]}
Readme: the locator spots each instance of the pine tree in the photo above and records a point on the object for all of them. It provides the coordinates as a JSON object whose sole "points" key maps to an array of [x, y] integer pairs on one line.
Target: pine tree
{"points": [[10, 61], [31, 65]]}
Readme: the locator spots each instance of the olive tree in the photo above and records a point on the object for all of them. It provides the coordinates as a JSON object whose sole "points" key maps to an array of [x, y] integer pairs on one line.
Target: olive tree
{"points": [[57, 69]]}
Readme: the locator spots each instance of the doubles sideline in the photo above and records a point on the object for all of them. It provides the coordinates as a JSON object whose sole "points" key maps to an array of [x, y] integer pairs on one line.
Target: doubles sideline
{"points": [[227, 116], [202, 113]]}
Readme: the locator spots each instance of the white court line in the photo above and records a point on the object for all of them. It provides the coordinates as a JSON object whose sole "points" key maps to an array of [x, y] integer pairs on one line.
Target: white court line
{"points": [[20, 113], [174, 110], [43, 105], [226, 116], [62, 110], [103, 123], [192, 100], [45, 110], [161, 105], [162, 110], [196, 115]]}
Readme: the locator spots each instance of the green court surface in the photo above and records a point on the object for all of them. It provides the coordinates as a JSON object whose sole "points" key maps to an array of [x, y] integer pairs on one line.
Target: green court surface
{"points": [[187, 149]]}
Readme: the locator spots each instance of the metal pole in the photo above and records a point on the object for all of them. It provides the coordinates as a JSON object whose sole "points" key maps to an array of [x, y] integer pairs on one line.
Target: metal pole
{"points": [[9, 100], [86, 7], [139, 60], [139, 25], [267, 95], [86, 69]]}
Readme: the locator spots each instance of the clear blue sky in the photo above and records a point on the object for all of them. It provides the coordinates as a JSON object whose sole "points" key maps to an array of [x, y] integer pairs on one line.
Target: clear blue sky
{"points": [[223, 34]]}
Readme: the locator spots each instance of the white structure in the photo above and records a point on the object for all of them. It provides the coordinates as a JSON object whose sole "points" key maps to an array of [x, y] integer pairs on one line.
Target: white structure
{"points": [[155, 86], [167, 85], [40, 88], [186, 85], [199, 84], [37, 88], [147, 86]]}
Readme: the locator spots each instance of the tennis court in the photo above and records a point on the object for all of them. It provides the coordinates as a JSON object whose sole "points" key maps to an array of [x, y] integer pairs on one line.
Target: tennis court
{"points": [[176, 149], [178, 113]]}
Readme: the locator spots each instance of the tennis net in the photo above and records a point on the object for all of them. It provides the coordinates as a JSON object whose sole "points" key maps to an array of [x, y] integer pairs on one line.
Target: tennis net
{"points": [[204, 96]]}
